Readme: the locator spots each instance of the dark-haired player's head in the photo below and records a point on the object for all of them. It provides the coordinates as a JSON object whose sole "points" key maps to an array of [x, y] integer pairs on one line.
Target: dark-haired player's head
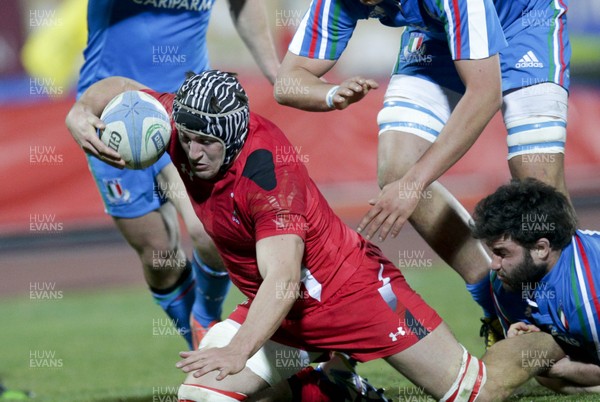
{"points": [[211, 115], [526, 224]]}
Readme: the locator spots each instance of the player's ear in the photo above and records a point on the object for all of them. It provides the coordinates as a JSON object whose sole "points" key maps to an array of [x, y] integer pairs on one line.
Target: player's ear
{"points": [[541, 249]]}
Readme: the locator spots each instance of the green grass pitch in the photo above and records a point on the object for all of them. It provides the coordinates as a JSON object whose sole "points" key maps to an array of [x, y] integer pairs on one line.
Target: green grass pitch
{"points": [[115, 345]]}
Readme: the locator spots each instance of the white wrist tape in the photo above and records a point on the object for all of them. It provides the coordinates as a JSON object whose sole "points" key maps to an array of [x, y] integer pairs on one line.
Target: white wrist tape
{"points": [[330, 95]]}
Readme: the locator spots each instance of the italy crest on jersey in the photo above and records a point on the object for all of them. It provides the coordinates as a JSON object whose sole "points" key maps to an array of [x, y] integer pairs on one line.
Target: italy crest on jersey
{"points": [[115, 192], [415, 42], [415, 49]]}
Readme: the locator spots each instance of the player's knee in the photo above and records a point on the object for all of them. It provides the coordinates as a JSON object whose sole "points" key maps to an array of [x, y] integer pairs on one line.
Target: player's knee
{"points": [[391, 167], [197, 393], [384, 176], [162, 266], [406, 130], [160, 258], [469, 382], [209, 256]]}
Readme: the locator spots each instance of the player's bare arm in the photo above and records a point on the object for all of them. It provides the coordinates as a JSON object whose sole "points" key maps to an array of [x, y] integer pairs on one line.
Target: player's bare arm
{"points": [[169, 179], [279, 262], [482, 99], [250, 20], [84, 117], [584, 374], [299, 85]]}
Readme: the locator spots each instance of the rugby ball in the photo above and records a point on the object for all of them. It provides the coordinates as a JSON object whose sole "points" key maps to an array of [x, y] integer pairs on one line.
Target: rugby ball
{"points": [[138, 127]]}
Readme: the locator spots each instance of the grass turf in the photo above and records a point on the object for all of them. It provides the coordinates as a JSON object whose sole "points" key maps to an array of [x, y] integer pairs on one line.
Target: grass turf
{"points": [[115, 345]]}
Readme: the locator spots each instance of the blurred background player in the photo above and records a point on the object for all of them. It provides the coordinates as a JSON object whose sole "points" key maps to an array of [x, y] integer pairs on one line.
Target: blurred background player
{"points": [[306, 292], [156, 45], [468, 50], [545, 276], [53, 52]]}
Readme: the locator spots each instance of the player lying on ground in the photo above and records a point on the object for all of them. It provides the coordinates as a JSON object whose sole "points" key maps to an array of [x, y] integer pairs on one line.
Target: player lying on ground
{"points": [[545, 276], [313, 284]]}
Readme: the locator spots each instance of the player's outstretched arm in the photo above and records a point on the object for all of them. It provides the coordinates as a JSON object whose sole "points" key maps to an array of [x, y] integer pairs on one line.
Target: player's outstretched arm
{"points": [[568, 377], [299, 85], [482, 99], [279, 262], [84, 117], [250, 20]]}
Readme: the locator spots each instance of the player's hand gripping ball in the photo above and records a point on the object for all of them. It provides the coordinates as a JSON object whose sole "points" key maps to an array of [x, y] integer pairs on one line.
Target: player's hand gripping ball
{"points": [[137, 127]]}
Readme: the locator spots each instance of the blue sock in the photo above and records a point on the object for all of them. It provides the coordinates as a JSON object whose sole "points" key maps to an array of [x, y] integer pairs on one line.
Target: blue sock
{"points": [[177, 302], [482, 294], [211, 289]]}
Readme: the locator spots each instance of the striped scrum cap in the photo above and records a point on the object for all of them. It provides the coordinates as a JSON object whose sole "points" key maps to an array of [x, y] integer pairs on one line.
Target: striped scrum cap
{"points": [[213, 103]]}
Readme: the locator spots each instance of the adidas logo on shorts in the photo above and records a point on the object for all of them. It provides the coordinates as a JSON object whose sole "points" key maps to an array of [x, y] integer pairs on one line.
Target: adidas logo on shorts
{"points": [[529, 60]]}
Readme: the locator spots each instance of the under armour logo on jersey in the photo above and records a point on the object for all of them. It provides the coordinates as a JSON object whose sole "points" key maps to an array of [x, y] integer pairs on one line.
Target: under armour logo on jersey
{"points": [[529, 60], [394, 336]]}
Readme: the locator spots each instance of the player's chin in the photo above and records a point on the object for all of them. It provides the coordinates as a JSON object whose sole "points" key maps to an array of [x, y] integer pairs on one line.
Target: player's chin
{"points": [[205, 174]]}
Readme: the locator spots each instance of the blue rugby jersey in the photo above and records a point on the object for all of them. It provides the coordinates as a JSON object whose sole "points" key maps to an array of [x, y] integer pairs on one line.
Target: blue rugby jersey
{"points": [[565, 301], [438, 32], [123, 40]]}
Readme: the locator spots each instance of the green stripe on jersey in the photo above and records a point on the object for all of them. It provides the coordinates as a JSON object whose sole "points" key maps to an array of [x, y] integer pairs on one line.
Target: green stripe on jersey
{"points": [[334, 33], [578, 299], [551, 32]]}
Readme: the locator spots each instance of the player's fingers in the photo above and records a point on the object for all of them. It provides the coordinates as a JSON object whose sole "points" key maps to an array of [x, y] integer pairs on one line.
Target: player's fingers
{"points": [[103, 149], [340, 102], [354, 86], [386, 226], [376, 224], [200, 365], [358, 88], [397, 227], [89, 149], [372, 84], [345, 92], [224, 372], [206, 368], [190, 361], [95, 121], [369, 216], [516, 329], [105, 153]]}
